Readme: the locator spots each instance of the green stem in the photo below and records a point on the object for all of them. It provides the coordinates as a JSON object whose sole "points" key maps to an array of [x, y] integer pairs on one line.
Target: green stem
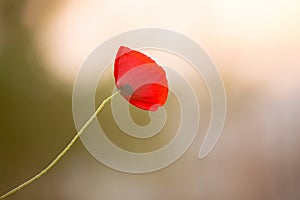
{"points": [[67, 148]]}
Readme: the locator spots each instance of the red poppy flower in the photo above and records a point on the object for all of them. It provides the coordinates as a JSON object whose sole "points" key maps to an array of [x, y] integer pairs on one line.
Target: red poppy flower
{"points": [[140, 80]]}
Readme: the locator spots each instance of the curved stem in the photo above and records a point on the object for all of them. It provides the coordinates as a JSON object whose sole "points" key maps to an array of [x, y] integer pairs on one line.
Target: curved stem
{"points": [[67, 148]]}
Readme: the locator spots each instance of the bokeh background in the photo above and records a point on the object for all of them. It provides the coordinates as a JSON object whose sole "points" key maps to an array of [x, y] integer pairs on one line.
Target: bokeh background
{"points": [[256, 46]]}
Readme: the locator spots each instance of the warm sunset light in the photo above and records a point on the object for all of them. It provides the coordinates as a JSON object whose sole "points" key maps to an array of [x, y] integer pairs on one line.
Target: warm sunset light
{"points": [[255, 46]]}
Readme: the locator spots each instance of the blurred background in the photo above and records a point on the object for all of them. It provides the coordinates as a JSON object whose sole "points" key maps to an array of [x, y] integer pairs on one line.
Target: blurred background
{"points": [[256, 46]]}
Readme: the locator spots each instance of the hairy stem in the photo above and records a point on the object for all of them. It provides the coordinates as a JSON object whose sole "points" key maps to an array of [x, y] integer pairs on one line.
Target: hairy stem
{"points": [[67, 148]]}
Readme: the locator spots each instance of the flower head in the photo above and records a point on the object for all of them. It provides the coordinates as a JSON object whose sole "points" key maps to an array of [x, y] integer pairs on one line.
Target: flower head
{"points": [[140, 80]]}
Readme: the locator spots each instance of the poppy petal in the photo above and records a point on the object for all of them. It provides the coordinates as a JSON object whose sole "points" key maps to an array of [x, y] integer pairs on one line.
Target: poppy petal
{"points": [[127, 59], [149, 96], [141, 81]]}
